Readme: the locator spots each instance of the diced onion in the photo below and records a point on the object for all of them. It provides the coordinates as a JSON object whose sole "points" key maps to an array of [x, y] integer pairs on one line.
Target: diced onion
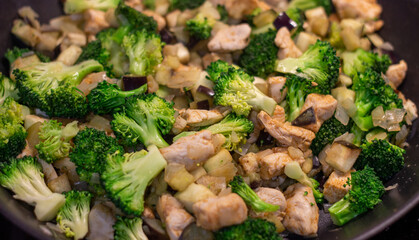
{"points": [[389, 119], [380, 135], [401, 136], [341, 115], [346, 137]]}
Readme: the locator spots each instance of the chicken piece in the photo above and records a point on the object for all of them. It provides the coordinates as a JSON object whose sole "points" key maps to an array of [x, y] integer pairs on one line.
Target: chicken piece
{"points": [[287, 47], [324, 107], [179, 125], [366, 9], [208, 58], [257, 127], [199, 118], [215, 213], [273, 165], [249, 163], [148, 213], [230, 39], [194, 149], [272, 196], [373, 26], [285, 133], [336, 187], [173, 216], [95, 21], [396, 73], [302, 213], [412, 111], [237, 9], [161, 21], [279, 114], [276, 91]]}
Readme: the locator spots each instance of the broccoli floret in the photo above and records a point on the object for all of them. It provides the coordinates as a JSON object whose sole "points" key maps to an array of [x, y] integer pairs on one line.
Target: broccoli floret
{"points": [[297, 90], [223, 13], [294, 171], [144, 119], [128, 16], [250, 197], [360, 60], [94, 51], [91, 147], [129, 229], [111, 43], [372, 91], [199, 27], [12, 133], [73, 217], [260, 56], [107, 97], [55, 140], [150, 4], [185, 4], [319, 64], [25, 179], [78, 6], [234, 128], [309, 4], [235, 89], [250, 229], [126, 178], [7, 89], [329, 130], [12, 54], [144, 51], [52, 87], [334, 36], [215, 69], [366, 190], [385, 158]]}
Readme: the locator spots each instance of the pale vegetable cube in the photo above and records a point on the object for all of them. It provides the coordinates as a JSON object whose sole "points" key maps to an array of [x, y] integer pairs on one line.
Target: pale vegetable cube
{"points": [[177, 177], [192, 194], [341, 158]]}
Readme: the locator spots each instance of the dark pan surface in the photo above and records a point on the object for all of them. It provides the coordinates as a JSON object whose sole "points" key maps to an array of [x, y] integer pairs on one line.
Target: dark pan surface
{"points": [[401, 21]]}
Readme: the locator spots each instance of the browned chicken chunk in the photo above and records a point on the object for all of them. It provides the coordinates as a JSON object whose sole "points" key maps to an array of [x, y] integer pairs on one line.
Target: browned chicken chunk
{"points": [[336, 187], [230, 39], [287, 47], [366, 9]]}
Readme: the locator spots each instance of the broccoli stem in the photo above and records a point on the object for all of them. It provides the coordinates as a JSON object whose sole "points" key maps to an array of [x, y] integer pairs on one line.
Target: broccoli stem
{"points": [[263, 102], [297, 99], [341, 212]]}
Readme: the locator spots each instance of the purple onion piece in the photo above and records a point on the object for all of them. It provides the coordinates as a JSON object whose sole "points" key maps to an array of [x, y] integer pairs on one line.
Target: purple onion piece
{"points": [[133, 82], [316, 162], [203, 105], [205, 90], [305, 118], [284, 21], [167, 36]]}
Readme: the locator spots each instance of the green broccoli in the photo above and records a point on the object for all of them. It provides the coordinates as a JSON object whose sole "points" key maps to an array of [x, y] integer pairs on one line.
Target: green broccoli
{"points": [[251, 229], [309, 4], [7, 89], [107, 97], [12, 133], [12, 54], [144, 51], [294, 171], [185, 4], [52, 87], [25, 179], [372, 91], [360, 60], [297, 90], [235, 89], [73, 217], [385, 158], [95, 51], [319, 64], [126, 178], [78, 6], [260, 56], [134, 19], [129, 229], [91, 147], [250, 197], [215, 69], [366, 190], [144, 119], [223, 13], [234, 128], [200, 27], [150, 4], [55, 140], [329, 130]]}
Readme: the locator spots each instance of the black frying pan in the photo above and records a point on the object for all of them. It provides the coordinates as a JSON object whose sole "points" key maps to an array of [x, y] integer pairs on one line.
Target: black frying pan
{"points": [[401, 22]]}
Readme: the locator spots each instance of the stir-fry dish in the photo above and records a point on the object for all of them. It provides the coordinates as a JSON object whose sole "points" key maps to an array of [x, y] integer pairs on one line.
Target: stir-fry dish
{"points": [[194, 119]]}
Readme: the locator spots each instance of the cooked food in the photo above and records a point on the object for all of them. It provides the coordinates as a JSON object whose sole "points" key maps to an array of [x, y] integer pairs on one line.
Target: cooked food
{"points": [[216, 119]]}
